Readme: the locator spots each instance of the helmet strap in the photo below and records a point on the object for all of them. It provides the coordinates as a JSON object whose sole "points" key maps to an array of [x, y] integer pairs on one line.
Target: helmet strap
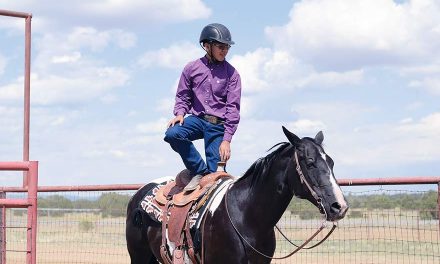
{"points": [[211, 57]]}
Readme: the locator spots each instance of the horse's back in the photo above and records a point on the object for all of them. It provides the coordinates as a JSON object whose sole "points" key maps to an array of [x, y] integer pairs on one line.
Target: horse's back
{"points": [[137, 197]]}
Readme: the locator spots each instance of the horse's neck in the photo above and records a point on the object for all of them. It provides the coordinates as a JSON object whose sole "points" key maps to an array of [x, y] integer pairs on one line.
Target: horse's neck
{"points": [[265, 200]]}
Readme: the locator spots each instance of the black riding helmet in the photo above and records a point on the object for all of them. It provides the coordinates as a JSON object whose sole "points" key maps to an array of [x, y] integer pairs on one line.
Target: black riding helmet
{"points": [[216, 32]]}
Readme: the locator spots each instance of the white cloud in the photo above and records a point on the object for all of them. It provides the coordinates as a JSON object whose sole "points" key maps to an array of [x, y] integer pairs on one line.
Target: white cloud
{"points": [[430, 84], [161, 10], [74, 57], [266, 69], [406, 142], [11, 120], [248, 106], [60, 120], [110, 13], [351, 34], [120, 154], [175, 56], [75, 52], [306, 126], [96, 40], [250, 66], [13, 26], [54, 89], [166, 105], [423, 69], [156, 127], [12, 91], [332, 79], [85, 38], [64, 70], [427, 127]]}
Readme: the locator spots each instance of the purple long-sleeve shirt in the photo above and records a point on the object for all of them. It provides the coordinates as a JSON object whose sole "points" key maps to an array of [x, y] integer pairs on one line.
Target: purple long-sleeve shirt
{"points": [[213, 89]]}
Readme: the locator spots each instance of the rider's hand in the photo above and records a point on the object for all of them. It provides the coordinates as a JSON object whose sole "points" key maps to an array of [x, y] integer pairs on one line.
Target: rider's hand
{"points": [[177, 119], [225, 150]]}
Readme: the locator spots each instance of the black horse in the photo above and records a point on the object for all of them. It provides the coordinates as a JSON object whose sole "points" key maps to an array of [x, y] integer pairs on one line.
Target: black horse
{"points": [[236, 229]]}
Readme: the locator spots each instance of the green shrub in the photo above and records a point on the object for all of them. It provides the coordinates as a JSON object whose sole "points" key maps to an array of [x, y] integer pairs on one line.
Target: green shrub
{"points": [[86, 225]]}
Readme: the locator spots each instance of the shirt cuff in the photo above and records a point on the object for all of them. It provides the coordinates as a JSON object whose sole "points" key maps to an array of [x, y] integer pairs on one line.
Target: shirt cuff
{"points": [[227, 137], [182, 113]]}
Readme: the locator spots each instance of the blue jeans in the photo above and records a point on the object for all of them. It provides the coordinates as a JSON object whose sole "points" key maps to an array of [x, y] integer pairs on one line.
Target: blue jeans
{"points": [[180, 138]]}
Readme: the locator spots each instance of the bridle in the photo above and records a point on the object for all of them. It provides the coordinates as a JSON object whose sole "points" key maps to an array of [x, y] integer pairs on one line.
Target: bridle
{"points": [[302, 246], [307, 184]]}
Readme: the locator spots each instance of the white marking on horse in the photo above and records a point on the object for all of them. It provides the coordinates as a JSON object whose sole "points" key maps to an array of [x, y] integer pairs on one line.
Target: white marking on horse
{"points": [[336, 188], [172, 247], [163, 179], [218, 196]]}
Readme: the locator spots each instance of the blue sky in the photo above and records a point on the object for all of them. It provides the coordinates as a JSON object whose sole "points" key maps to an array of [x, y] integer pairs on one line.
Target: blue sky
{"points": [[104, 74]]}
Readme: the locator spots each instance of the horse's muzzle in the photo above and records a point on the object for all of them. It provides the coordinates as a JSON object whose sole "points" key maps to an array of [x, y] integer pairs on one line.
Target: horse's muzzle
{"points": [[337, 211]]}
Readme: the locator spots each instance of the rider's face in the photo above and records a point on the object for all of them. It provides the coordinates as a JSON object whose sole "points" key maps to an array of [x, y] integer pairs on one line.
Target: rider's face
{"points": [[219, 50]]}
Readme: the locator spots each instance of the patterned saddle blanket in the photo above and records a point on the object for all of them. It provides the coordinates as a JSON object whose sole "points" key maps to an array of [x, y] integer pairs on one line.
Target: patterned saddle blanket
{"points": [[207, 196]]}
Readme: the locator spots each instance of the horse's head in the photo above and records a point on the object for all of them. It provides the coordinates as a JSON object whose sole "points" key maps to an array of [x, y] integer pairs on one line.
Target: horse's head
{"points": [[315, 169]]}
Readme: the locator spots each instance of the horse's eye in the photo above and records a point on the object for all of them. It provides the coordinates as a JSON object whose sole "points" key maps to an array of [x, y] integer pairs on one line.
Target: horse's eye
{"points": [[310, 163]]}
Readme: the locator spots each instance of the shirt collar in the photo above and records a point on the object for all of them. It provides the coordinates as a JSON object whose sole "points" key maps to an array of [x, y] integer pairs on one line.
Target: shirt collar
{"points": [[206, 61]]}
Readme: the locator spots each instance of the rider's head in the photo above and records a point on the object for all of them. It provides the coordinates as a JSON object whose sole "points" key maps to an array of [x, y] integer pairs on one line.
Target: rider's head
{"points": [[216, 41]]}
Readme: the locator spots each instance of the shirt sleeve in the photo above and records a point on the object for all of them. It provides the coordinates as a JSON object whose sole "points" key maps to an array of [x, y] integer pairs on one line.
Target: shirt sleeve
{"points": [[232, 116], [183, 94]]}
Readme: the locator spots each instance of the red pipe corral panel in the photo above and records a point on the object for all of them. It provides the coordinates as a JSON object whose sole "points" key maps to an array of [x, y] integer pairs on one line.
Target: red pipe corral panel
{"points": [[30, 167], [14, 14], [14, 165], [128, 187], [390, 181]]}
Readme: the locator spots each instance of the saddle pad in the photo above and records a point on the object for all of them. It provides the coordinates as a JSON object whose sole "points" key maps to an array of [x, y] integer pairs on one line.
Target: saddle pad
{"points": [[148, 204], [215, 196]]}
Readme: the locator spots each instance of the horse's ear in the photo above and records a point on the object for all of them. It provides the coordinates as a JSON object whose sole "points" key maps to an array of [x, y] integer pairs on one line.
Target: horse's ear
{"points": [[294, 139], [319, 138]]}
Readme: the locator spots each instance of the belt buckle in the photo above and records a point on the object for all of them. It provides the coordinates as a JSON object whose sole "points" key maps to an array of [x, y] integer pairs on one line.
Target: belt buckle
{"points": [[212, 119]]}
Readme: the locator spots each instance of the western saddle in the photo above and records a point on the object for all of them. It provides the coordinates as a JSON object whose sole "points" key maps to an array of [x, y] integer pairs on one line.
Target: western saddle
{"points": [[176, 206]]}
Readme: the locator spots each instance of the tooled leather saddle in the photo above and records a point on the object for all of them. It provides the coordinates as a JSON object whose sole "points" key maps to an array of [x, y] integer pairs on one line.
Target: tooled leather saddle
{"points": [[177, 206]]}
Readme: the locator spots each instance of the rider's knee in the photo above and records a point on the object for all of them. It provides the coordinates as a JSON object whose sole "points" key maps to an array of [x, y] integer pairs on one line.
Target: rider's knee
{"points": [[171, 134]]}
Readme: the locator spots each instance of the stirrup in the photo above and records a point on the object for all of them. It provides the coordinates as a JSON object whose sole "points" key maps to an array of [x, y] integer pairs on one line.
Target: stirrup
{"points": [[192, 185]]}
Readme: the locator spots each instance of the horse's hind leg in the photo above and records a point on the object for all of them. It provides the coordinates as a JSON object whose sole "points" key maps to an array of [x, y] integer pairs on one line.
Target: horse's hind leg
{"points": [[138, 247], [142, 255], [153, 260], [137, 242]]}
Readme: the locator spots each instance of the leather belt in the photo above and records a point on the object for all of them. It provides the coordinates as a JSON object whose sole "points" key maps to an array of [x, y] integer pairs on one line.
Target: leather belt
{"points": [[213, 119]]}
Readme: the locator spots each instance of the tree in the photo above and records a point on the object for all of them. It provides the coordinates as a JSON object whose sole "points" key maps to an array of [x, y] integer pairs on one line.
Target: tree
{"points": [[113, 204]]}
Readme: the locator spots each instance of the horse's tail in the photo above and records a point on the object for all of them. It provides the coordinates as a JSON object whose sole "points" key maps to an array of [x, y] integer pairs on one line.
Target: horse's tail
{"points": [[138, 219]]}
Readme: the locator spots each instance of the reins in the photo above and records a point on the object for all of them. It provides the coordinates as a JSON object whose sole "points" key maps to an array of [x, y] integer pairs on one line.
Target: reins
{"points": [[323, 225], [302, 246]]}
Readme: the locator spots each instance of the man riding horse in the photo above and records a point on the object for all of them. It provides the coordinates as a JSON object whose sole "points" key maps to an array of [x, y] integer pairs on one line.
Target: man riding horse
{"points": [[209, 92]]}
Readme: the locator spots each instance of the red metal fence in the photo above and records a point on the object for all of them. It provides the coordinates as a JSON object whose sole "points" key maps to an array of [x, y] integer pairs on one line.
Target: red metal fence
{"points": [[80, 234], [29, 168], [29, 202]]}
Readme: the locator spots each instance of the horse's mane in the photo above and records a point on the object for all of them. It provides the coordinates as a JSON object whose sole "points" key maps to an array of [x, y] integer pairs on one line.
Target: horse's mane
{"points": [[263, 164]]}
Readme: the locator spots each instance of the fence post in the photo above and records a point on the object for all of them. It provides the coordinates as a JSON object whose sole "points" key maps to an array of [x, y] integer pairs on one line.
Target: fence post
{"points": [[32, 212], [2, 231]]}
